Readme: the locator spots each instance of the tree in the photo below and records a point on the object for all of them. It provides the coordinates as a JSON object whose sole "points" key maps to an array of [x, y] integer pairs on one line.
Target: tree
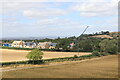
{"points": [[63, 43], [34, 55], [85, 45], [110, 46]]}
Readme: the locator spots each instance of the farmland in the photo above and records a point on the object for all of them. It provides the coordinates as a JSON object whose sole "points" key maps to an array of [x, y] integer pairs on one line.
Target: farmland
{"points": [[103, 36], [103, 67], [9, 55]]}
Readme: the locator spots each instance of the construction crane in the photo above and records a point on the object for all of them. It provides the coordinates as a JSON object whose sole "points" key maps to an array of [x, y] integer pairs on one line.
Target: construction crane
{"points": [[84, 30], [80, 36]]}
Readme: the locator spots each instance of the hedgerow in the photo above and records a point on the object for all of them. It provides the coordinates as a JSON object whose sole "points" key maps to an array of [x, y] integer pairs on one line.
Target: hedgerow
{"points": [[58, 50], [50, 60]]}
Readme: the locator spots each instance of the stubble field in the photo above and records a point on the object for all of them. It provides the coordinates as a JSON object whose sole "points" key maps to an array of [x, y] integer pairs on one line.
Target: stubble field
{"points": [[103, 67], [9, 55]]}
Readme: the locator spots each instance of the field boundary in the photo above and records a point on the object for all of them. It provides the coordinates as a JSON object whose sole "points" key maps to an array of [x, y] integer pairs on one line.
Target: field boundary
{"points": [[75, 58], [58, 50]]}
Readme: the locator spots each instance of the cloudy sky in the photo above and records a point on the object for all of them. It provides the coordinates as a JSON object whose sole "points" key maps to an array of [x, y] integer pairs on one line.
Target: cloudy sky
{"points": [[57, 18]]}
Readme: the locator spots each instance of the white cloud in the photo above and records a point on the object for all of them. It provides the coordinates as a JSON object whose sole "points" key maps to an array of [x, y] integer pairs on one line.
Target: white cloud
{"points": [[44, 27], [96, 8], [35, 13], [86, 8], [31, 9], [48, 18], [56, 22], [17, 7], [54, 0]]}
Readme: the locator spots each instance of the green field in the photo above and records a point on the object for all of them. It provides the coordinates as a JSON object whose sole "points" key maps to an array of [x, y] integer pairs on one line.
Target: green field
{"points": [[103, 67]]}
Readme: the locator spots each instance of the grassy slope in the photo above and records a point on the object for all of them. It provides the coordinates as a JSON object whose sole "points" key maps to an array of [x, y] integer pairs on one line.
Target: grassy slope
{"points": [[105, 67]]}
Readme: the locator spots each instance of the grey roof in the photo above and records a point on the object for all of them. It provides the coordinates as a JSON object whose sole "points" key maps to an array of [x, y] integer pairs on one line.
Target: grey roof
{"points": [[36, 43], [29, 43], [53, 44]]}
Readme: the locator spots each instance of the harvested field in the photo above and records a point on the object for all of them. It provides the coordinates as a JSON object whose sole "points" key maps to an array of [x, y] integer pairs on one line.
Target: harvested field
{"points": [[103, 36], [103, 67], [9, 55]]}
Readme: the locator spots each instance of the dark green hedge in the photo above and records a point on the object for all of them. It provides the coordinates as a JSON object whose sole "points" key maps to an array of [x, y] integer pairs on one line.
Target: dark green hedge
{"points": [[22, 62], [59, 50], [16, 48], [49, 60], [10, 63]]}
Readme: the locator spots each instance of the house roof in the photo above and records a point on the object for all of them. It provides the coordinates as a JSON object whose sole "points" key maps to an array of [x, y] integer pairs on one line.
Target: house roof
{"points": [[29, 43], [44, 42], [53, 44], [17, 41]]}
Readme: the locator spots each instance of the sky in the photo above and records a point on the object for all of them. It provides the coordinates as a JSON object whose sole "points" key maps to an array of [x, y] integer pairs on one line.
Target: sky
{"points": [[57, 18]]}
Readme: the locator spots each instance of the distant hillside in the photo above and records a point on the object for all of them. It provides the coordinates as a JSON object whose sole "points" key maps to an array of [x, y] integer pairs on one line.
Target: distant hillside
{"points": [[114, 34], [103, 36], [107, 35]]}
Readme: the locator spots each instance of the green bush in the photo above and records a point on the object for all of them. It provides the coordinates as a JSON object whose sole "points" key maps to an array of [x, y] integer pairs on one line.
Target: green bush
{"points": [[11, 63], [35, 62], [96, 53], [109, 46], [22, 62], [104, 53], [35, 54], [17, 48]]}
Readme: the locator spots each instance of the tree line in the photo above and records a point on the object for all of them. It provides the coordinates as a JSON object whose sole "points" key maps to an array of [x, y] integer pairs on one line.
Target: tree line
{"points": [[84, 42]]}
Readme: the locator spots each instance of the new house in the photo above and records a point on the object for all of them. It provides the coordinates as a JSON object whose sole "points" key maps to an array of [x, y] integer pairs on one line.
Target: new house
{"points": [[30, 44], [18, 44], [71, 45], [52, 45], [43, 45], [6, 44], [40, 45]]}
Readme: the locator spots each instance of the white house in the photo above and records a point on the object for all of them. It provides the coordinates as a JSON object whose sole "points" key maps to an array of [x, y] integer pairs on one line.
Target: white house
{"points": [[52, 45], [30, 45], [43, 45], [18, 44]]}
